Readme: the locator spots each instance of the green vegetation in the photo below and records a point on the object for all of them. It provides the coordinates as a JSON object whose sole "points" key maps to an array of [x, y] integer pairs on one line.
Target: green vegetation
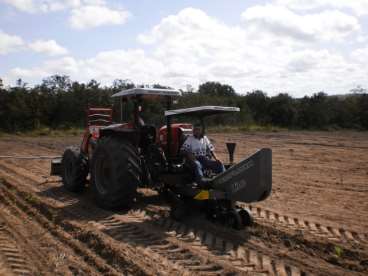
{"points": [[46, 131], [59, 103], [338, 251]]}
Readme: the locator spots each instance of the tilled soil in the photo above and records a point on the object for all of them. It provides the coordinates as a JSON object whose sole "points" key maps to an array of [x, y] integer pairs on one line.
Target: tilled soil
{"points": [[322, 177], [314, 222]]}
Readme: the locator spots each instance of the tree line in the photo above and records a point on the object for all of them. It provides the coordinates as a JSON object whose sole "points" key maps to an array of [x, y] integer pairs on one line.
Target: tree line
{"points": [[59, 102]]}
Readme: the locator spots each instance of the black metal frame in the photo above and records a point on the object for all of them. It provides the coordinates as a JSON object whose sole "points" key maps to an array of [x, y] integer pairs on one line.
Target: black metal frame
{"points": [[169, 134]]}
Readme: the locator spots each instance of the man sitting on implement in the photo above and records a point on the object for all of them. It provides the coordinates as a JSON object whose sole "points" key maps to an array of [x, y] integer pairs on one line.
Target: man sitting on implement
{"points": [[198, 150]]}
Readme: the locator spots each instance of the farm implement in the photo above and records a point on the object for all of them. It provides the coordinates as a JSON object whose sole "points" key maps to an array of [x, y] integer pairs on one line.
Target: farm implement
{"points": [[121, 157]]}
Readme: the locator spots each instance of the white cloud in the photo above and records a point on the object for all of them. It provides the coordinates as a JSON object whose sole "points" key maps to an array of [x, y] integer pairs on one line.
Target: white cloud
{"points": [[22, 5], [13, 43], [65, 65], [307, 61], [35, 6], [196, 47], [362, 38], [10, 43], [359, 7], [45, 6], [48, 47], [96, 15], [133, 64], [104, 67], [361, 56], [84, 13], [192, 47], [280, 21]]}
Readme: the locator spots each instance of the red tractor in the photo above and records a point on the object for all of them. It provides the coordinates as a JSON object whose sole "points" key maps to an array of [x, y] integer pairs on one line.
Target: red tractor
{"points": [[121, 157]]}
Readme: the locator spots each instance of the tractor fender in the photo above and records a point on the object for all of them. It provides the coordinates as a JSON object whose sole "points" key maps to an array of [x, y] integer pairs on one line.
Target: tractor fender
{"points": [[131, 135]]}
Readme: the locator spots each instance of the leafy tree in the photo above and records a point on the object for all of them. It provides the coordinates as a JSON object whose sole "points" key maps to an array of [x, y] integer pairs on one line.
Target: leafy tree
{"points": [[363, 111], [258, 103], [315, 111], [57, 83], [59, 102], [216, 89], [120, 84], [282, 110]]}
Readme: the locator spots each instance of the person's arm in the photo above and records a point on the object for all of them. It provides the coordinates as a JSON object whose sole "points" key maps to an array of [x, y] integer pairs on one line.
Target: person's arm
{"points": [[215, 156], [186, 150], [211, 149], [190, 156]]}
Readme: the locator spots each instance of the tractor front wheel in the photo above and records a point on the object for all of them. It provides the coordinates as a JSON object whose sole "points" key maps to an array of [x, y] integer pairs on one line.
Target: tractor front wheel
{"points": [[75, 170], [115, 173]]}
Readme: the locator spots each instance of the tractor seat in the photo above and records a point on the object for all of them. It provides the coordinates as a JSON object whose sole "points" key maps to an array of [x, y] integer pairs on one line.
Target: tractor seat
{"points": [[178, 160], [182, 138], [179, 163]]}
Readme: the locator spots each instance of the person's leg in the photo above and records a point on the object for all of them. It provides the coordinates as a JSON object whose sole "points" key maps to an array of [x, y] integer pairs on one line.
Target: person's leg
{"points": [[213, 165], [221, 167], [204, 163], [198, 172]]}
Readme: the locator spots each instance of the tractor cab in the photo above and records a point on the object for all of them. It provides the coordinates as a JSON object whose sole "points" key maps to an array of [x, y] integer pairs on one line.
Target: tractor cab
{"points": [[132, 114], [132, 101]]}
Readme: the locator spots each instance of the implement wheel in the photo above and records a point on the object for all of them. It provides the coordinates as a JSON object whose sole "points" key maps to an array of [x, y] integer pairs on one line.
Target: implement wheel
{"points": [[115, 173], [237, 218], [246, 217], [75, 170], [234, 220]]}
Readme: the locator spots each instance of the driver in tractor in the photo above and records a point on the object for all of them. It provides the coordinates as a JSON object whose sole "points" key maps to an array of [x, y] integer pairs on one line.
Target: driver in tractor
{"points": [[199, 151]]}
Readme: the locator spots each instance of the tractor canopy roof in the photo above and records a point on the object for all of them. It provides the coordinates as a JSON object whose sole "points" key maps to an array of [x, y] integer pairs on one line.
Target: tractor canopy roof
{"points": [[202, 111], [147, 92]]}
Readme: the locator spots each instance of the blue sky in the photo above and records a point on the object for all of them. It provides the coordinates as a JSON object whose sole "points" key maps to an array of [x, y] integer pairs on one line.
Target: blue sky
{"points": [[295, 46]]}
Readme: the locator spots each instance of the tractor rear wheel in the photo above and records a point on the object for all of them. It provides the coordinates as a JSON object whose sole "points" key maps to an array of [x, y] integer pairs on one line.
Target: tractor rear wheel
{"points": [[115, 173], [75, 169]]}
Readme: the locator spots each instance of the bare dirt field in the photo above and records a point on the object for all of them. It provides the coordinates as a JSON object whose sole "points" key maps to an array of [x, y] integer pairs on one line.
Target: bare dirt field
{"points": [[314, 223]]}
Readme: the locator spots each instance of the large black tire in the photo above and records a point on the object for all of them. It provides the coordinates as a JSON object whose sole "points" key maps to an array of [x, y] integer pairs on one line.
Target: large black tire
{"points": [[115, 173], [75, 170]]}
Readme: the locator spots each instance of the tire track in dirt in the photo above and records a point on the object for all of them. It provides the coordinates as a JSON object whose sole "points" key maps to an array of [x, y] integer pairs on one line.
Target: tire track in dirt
{"points": [[42, 250], [45, 252], [227, 254], [121, 231], [27, 205], [90, 244], [142, 233], [245, 258], [189, 250], [328, 232], [196, 251], [240, 257], [262, 215], [170, 265], [207, 241], [338, 234], [13, 255]]}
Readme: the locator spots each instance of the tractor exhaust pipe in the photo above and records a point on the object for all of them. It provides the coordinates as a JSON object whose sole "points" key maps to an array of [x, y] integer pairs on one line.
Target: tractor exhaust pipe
{"points": [[231, 149]]}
